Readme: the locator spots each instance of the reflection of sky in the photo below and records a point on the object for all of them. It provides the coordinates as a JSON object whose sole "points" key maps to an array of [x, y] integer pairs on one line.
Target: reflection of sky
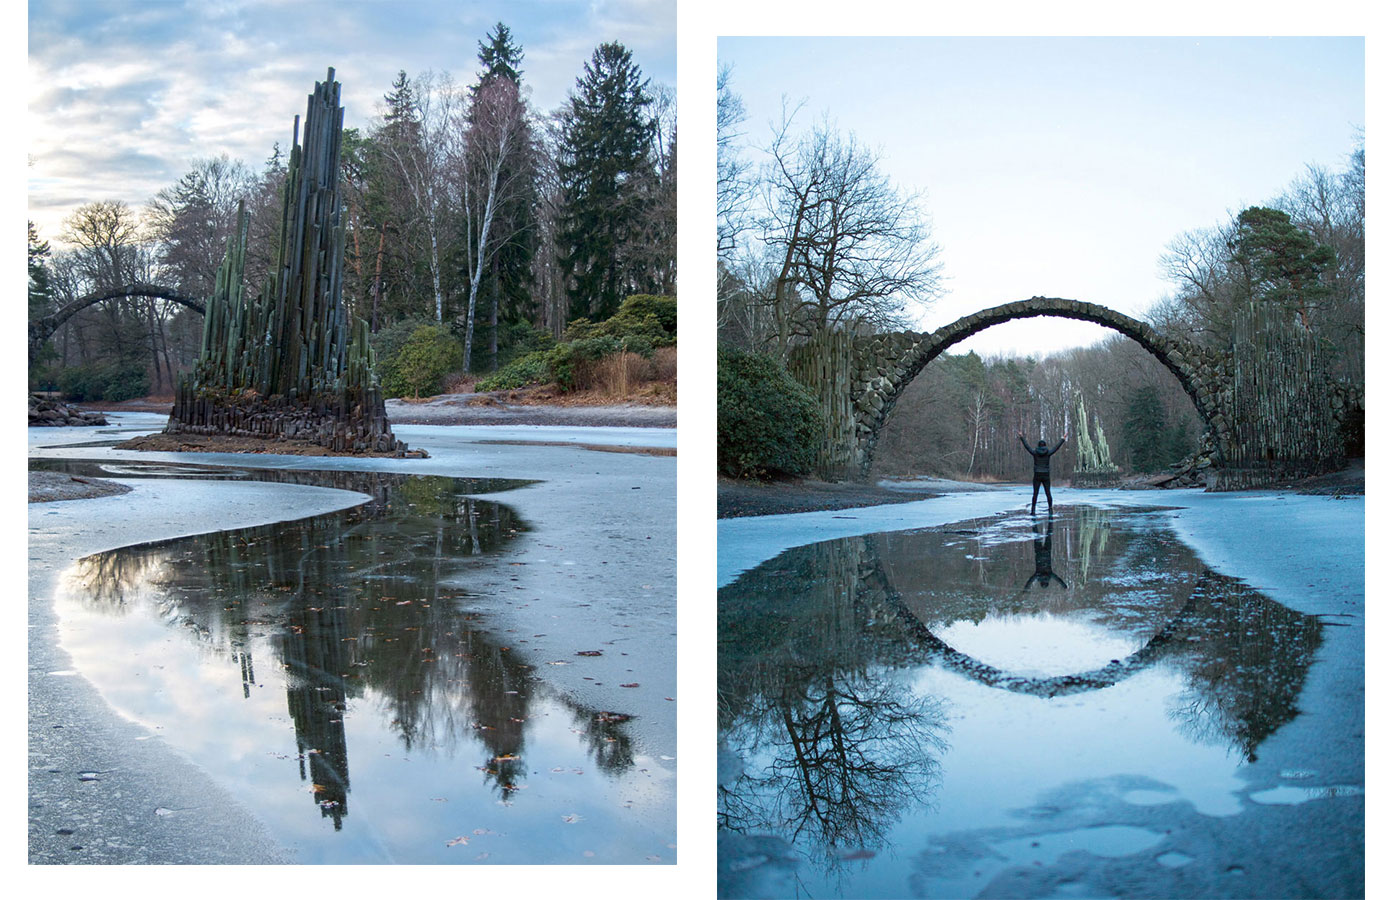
{"points": [[1007, 750], [1038, 645], [402, 806]]}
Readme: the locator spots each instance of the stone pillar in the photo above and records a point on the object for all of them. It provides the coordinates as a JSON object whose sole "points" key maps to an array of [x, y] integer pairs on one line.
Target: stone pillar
{"points": [[824, 365]]}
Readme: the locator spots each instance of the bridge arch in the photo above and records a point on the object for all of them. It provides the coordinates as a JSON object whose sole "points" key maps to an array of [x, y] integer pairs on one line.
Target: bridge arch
{"points": [[43, 328], [881, 366]]}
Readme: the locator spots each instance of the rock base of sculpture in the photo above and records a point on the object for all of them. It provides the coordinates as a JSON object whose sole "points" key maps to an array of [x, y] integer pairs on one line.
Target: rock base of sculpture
{"points": [[337, 423]]}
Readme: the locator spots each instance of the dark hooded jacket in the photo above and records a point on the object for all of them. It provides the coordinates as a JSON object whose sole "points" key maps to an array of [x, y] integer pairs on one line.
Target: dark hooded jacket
{"points": [[1041, 456]]}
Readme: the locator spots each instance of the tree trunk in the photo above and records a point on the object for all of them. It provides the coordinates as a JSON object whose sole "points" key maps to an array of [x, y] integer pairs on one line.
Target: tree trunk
{"points": [[496, 280]]}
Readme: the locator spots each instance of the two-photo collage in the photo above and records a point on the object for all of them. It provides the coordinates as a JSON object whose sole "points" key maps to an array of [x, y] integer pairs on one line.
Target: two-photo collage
{"points": [[1007, 537]]}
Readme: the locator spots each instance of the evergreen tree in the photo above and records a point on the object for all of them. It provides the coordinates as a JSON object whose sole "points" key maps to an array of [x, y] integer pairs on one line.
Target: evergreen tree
{"points": [[402, 112], [499, 57], [1281, 264], [605, 155], [1145, 431], [40, 291], [401, 201]]}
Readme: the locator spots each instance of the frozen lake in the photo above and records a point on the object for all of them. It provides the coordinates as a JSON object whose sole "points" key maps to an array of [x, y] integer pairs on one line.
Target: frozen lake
{"points": [[271, 659], [1004, 705]]}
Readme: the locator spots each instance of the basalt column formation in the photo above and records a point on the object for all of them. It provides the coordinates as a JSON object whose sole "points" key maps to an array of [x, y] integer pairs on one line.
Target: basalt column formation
{"points": [[288, 364]]}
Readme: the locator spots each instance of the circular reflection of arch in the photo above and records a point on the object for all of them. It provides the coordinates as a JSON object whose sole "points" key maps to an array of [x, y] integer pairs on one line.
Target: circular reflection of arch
{"points": [[1172, 634], [1182, 359]]}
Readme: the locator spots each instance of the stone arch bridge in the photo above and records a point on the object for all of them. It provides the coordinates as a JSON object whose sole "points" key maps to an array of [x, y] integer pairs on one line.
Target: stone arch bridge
{"points": [[43, 328], [860, 377]]}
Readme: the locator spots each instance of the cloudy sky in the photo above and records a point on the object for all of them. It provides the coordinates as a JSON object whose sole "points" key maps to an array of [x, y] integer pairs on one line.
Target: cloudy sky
{"points": [[1062, 166], [123, 96]]}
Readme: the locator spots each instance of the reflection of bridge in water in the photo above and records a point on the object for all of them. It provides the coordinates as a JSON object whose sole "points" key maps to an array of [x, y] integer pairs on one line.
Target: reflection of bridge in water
{"points": [[1243, 655], [1185, 626], [840, 735]]}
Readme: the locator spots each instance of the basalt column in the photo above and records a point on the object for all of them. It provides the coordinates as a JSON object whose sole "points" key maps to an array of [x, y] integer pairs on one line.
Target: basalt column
{"points": [[288, 364]]}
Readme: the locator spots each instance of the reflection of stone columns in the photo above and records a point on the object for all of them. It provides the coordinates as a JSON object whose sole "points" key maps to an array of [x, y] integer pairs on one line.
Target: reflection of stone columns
{"points": [[248, 672], [313, 652]]}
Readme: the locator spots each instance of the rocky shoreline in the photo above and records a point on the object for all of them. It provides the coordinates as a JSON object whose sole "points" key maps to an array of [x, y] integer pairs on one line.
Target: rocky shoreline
{"points": [[52, 413]]}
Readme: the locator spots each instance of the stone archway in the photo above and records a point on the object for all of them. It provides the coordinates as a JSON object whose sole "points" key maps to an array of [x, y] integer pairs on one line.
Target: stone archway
{"points": [[43, 328], [861, 377]]}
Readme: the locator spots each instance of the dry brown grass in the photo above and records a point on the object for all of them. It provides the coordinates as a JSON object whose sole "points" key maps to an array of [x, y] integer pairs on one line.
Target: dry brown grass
{"points": [[617, 379], [629, 378], [459, 383]]}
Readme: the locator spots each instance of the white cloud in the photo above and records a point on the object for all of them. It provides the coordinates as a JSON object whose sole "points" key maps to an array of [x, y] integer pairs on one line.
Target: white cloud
{"points": [[122, 98]]}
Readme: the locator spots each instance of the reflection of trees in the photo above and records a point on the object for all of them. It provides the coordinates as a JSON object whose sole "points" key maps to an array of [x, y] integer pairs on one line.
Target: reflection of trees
{"points": [[849, 751], [605, 737], [807, 692], [354, 601], [1246, 670]]}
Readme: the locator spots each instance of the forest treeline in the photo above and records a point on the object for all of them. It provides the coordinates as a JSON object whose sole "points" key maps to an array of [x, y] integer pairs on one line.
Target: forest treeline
{"points": [[478, 229], [814, 237]]}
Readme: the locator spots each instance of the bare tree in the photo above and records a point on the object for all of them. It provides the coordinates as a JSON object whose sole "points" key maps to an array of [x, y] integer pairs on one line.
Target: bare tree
{"points": [[105, 235], [732, 194], [193, 219], [550, 284], [854, 251], [418, 153]]}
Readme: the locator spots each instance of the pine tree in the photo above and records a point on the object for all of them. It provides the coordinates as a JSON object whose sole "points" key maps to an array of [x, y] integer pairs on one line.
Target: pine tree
{"points": [[40, 291], [1281, 264], [605, 154], [1146, 432], [499, 57]]}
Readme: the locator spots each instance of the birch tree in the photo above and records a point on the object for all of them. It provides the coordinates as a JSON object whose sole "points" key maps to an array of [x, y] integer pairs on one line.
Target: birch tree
{"points": [[496, 139], [417, 145]]}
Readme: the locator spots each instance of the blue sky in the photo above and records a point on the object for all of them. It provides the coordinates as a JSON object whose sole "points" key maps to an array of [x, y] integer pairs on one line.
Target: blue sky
{"points": [[1063, 166], [123, 96]]}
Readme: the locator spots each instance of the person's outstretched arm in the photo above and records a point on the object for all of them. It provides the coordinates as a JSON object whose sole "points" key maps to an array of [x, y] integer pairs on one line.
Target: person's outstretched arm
{"points": [[1059, 443], [1024, 443]]}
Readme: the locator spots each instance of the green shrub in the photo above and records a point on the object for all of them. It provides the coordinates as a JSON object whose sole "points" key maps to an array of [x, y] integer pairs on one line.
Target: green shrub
{"points": [[106, 381], [644, 316], [639, 306], [579, 330], [520, 339], [419, 366], [768, 423], [533, 368], [387, 342]]}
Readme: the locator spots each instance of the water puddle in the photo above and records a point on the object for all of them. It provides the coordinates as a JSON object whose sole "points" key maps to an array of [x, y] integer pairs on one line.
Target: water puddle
{"points": [[1287, 795], [943, 712], [338, 676]]}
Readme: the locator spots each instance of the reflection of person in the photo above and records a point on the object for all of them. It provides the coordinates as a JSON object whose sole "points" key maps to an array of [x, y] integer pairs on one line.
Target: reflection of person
{"points": [[1041, 551], [1041, 468]]}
